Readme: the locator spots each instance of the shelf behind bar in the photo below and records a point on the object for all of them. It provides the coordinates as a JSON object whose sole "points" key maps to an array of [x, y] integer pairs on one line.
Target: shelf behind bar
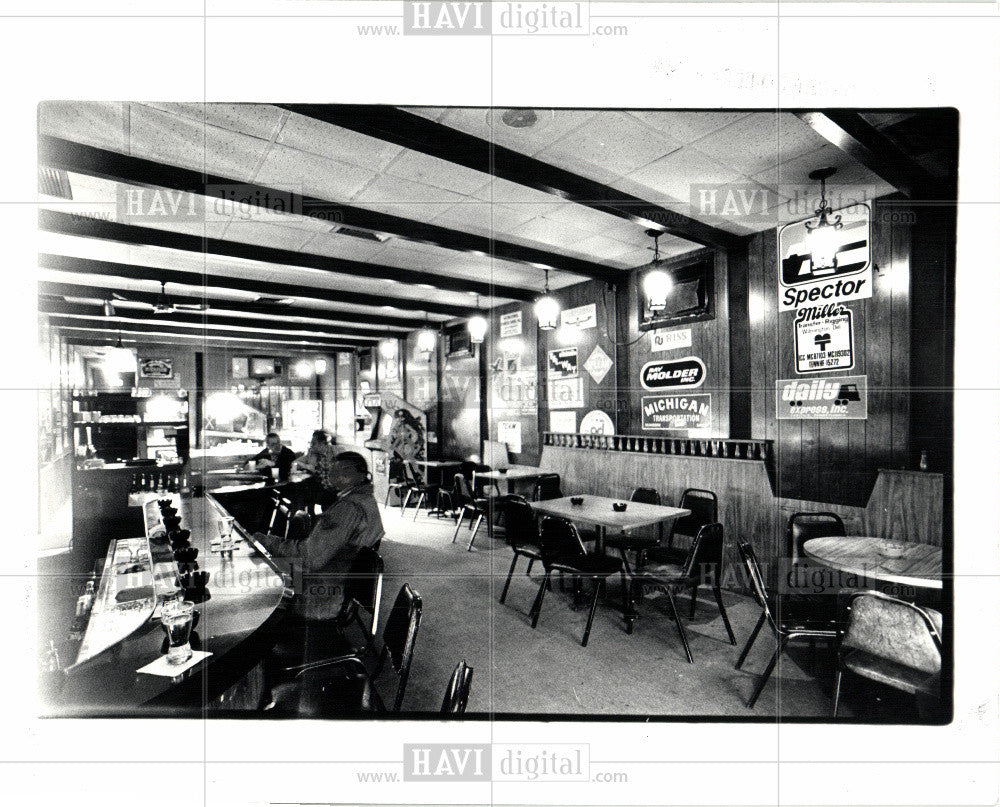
{"points": [[721, 448]]}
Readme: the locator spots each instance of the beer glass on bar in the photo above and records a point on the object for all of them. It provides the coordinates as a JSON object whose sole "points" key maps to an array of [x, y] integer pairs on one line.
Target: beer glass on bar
{"points": [[226, 533], [177, 620]]}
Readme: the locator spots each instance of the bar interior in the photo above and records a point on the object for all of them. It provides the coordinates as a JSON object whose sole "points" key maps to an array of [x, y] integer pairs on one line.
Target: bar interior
{"points": [[496, 413]]}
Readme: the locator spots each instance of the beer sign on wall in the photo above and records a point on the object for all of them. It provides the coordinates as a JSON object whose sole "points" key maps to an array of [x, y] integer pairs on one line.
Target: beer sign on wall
{"points": [[842, 273], [831, 398], [824, 339]]}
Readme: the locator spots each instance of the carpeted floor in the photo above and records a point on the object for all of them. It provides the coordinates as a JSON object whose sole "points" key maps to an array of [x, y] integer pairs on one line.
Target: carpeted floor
{"points": [[545, 671]]}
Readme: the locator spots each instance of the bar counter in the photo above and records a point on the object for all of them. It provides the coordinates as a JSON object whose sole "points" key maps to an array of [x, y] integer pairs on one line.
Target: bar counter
{"points": [[239, 619]]}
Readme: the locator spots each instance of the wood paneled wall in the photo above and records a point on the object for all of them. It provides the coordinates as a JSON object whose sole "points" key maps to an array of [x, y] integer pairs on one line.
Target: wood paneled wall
{"points": [[513, 396], [709, 342], [836, 460], [460, 433], [904, 505]]}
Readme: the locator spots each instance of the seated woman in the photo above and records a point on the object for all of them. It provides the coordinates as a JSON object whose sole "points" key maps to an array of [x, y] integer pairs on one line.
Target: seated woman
{"points": [[318, 461]]}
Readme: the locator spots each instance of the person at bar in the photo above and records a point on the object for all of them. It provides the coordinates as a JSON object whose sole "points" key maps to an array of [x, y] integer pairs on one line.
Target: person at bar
{"points": [[318, 461], [320, 563], [275, 455]]}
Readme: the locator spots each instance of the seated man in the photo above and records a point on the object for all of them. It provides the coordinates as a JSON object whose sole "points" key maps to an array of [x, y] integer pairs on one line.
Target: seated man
{"points": [[275, 455], [319, 563]]}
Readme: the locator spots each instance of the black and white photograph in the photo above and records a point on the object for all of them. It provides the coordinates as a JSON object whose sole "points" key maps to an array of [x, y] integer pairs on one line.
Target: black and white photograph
{"points": [[417, 439]]}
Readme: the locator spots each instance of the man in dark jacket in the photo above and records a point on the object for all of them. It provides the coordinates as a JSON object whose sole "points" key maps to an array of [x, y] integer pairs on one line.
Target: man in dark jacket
{"points": [[275, 455], [319, 564]]}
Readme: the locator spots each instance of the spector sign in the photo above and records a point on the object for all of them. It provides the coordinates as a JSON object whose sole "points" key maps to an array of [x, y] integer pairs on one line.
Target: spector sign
{"points": [[823, 339], [665, 412], [838, 398], [842, 272]]}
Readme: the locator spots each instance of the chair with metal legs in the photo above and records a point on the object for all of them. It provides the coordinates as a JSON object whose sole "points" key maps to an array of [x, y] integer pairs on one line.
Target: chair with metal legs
{"points": [[785, 617], [477, 509], [702, 566], [563, 551], [521, 532]]}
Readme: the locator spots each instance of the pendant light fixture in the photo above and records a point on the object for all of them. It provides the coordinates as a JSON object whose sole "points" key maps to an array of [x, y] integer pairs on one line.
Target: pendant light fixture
{"points": [[426, 338], [656, 284], [119, 359], [477, 326], [547, 309], [821, 237]]}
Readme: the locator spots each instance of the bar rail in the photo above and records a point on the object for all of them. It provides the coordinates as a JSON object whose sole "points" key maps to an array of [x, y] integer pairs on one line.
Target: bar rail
{"points": [[718, 447]]}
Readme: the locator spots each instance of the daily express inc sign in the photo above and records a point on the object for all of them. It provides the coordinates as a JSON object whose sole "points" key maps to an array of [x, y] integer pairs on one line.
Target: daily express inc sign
{"points": [[485, 18]]}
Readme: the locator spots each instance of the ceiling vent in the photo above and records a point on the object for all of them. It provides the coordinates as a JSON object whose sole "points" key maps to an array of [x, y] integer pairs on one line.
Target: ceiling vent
{"points": [[54, 182]]}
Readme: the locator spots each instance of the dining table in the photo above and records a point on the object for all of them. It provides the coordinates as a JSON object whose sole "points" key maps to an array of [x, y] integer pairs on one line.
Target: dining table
{"points": [[599, 512], [506, 478], [902, 562]]}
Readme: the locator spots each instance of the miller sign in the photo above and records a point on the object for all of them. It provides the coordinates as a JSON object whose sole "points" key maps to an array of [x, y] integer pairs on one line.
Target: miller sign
{"points": [[686, 373]]}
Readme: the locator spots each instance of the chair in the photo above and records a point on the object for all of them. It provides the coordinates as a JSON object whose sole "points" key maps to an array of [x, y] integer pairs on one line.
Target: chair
{"points": [[416, 484], [636, 543], [281, 516], [398, 481], [547, 486], [702, 566], [521, 534], [344, 684], [476, 508], [804, 526], [456, 696], [786, 619], [891, 641], [704, 507], [363, 591], [563, 551], [479, 485]]}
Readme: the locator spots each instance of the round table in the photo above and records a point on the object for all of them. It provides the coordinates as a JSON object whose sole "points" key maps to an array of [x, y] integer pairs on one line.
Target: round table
{"points": [[920, 564]]}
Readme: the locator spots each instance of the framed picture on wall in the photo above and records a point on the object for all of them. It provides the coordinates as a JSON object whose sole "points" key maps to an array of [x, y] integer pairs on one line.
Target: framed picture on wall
{"points": [[156, 368]]}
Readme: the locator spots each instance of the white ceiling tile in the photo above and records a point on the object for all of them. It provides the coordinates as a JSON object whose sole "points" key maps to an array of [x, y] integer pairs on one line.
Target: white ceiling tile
{"points": [[687, 127], [791, 177], [258, 120], [547, 231], [613, 142], [387, 189], [335, 245], [584, 218], [470, 217], [316, 137], [759, 141], [95, 123], [427, 170], [266, 234], [289, 169], [684, 173], [599, 247], [188, 143], [552, 125]]}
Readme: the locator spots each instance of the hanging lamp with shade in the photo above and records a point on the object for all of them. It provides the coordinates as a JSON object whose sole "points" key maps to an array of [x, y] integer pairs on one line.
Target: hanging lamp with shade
{"points": [[822, 239], [477, 326], [426, 338], [547, 309], [119, 359], [656, 284]]}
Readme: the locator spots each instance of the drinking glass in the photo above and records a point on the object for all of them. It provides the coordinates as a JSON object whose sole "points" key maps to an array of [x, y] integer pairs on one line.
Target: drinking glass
{"points": [[226, 531], [177, 620]]}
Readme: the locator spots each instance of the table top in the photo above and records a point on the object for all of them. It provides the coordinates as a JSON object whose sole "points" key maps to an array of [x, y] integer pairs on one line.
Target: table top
{"points": [[512, 472], [920, 564], [437, 463], [597, 510]]}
